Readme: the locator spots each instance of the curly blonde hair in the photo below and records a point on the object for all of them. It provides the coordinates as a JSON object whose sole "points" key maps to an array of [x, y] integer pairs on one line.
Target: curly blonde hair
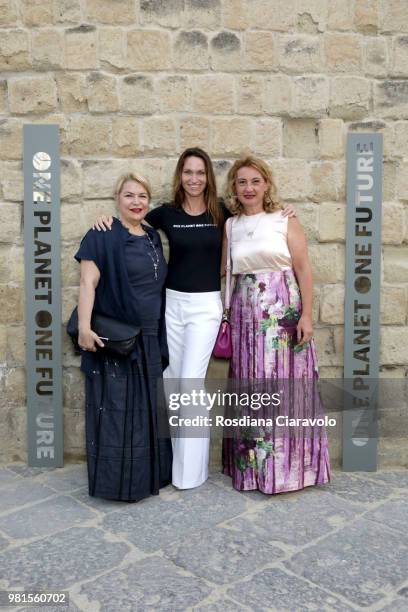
{"points": [[136, 178], [271, 201]]}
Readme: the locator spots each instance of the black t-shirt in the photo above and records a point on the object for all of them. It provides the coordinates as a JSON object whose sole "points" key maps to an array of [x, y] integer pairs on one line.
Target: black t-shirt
{"points": [[195, 248]]}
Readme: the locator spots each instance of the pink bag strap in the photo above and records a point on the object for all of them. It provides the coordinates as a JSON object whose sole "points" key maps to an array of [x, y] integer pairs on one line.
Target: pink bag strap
{"points": [[228, 268]]}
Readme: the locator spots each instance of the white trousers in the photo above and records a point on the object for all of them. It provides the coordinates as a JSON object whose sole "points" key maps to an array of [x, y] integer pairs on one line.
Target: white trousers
{"points": [[192, 321]]}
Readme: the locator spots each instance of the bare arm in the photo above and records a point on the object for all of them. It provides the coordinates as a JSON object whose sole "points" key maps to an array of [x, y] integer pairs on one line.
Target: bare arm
{"points": [[298, 250], [90, 276]]}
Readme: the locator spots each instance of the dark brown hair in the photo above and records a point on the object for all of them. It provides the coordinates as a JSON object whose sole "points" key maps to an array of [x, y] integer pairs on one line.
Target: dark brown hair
{"points": [[210, 192]]}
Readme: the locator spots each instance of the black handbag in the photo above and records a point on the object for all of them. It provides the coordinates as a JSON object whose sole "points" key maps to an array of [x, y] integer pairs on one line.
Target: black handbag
{"points": [[119, 338]]}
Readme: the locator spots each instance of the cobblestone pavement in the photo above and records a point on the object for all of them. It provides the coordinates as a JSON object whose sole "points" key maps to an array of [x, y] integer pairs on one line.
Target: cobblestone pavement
{"points": [[339, 547]]}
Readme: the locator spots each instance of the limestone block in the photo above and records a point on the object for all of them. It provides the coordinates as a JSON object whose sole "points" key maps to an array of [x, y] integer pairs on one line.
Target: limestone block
{"points": [[137, 95], [3, 344], [343, 52], [300, 138], [332, 304], [11, 303], [326, 263], [278, 95], [332, 222], [11, 137], [234, 14], [69, 299], [168, 13], [402, 180], [400, 139], [87, 135], [194, 131], [72, 91], [394, 16], [213, 94], [14, 50], [125, 136], [16, 263], [230, 136], [8, 13], [47, 49], [310, 96], [37, 12], [92, 209], [71, 179], [367, 16], [81, 51], [16, 344], [174, 94], [391, 98], [250, 94], [312, 16], [100, 176], [102, 93], [11, 180], [393, 305], [327, 180], [34, 94], [191, 51], [259, 51], [375, 56], [272, 15], [393, 345], [392, 231], [73, 385], [331, 138], [268, 138], [15, 386], [159, 135], [292, 178], [326, 352], [341, 15], [396, 264], [72, 222], [148, 50], [111, 45], [350, 97], [3, 97], [13, 436], [4, 267], [308, 217], [105, 11], [67, 11], [399, 56], [202, 13], [10, 222], [225, 52], [300, 54], [390, 180]]}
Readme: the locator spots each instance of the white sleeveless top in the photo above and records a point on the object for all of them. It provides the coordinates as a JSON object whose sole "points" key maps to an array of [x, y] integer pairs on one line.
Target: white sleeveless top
{"points": [[266, 250]]}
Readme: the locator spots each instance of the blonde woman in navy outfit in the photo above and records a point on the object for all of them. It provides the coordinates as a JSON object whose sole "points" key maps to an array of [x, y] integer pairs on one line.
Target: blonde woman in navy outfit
{"points": [[193, 224]]}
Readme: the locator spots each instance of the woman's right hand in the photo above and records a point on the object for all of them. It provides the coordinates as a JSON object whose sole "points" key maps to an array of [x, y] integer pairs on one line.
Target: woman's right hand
{"points": [[103, 223], [87, 340]]}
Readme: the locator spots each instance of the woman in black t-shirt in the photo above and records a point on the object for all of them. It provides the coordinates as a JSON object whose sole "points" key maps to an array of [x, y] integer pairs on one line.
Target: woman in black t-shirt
{"points": [[193, 224]]}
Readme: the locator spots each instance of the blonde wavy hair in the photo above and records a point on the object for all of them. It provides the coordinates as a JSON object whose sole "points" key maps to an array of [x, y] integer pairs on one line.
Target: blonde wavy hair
{"points": [[131, 176], [271, 201]]}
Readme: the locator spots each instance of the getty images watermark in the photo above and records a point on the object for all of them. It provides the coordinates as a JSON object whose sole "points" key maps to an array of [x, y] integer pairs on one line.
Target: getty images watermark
{"points": [[199, 400]]}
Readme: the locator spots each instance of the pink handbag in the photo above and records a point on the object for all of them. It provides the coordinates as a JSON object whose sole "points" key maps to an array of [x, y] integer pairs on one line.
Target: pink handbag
{"points": [[223, 344]]}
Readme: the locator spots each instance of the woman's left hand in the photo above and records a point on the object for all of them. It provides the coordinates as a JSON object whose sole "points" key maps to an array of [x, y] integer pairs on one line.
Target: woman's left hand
{"points": [[289, 211], [304, 330]]}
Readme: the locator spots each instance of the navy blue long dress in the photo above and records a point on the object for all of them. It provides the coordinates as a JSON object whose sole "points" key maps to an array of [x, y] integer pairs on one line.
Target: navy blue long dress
{"points": [[127, 459]]}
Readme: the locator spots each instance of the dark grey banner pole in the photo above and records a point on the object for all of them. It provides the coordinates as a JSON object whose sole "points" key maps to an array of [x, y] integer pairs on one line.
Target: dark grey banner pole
{"points": [[362, 303], [43, 295]]}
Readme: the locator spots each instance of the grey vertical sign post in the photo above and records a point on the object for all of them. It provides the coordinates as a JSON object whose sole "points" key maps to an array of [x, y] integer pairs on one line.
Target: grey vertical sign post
{"points": [[43, 295], [362, 304]]}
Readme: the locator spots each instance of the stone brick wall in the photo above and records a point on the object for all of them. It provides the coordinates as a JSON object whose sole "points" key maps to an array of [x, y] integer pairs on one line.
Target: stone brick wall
{"points": [[132, 83]]}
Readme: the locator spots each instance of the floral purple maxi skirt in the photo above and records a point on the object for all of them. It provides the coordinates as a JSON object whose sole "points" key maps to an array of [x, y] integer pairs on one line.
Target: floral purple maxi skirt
{"points": [[265, 309]]}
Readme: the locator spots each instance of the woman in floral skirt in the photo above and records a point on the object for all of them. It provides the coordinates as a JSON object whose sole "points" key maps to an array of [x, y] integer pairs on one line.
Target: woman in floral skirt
{"points": [[273, 349]]}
